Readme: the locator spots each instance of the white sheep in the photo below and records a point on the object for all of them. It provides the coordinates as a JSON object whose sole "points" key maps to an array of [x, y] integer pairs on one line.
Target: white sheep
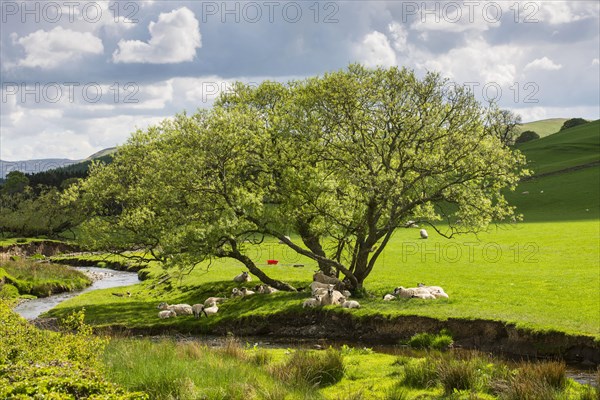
{"points": [[321, 277], [319, 287], [265, 289], [351, 304], [436, 291], [389, 297], [164, 314], [409, 293], [332, 297], [211, 301], [180, 309], [424, 234], [312, 302], [235, 292], [200, 308], [243, 277], [246, 291]]}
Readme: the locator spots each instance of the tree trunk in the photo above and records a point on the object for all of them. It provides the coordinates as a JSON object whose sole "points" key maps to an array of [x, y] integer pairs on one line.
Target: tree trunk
{"points": [[314, 244], [279, 285]]}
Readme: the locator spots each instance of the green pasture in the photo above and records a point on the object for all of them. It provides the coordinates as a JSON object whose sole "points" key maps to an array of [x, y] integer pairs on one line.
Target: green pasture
{"points": [[545, 127], [542, 276], [542, 273], [570, 148]]}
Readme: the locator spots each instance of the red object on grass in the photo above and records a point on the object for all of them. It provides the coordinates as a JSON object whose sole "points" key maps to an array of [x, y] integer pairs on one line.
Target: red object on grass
{"points": [[272, 262]]}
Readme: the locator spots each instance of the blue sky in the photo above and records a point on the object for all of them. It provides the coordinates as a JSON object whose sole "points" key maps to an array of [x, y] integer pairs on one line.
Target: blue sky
{"points": [[78, 76]]}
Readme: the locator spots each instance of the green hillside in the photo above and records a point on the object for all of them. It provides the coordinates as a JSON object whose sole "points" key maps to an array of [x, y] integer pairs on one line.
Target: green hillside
{"points": [[569, 148], [571, 190], [543, 127]]}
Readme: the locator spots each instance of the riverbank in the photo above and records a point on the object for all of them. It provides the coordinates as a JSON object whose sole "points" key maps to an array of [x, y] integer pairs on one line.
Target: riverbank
{"points": [[328, 324]]}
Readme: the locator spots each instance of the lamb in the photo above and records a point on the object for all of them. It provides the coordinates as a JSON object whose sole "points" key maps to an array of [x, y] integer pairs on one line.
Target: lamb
{"points": [[332, 297], [180, 309], [424, 234], [265, 289], [351, 304], [436, 291], [211, 301], [312, 302], [164, 314], [200, 308], [235, 292], [413, 293], [246, 291], [389, 297], [243, 277]]}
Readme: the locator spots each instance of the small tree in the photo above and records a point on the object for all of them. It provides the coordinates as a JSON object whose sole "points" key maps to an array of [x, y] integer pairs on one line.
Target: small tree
{"points": [[570, 123], [527, 136]]}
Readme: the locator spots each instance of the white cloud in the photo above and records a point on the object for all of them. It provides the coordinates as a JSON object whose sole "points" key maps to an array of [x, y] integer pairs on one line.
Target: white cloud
{"points": [[543, 63], [560, 12], [477, 61], [375, 50], [49, 49], [595, 61], [399, 36], [174, 39]]}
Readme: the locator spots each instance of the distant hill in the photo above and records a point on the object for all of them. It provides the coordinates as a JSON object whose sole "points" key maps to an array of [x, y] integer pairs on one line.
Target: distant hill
{"points": [[33, 166], [566, 149], [544, 127], [566, 184], [36, 166]]}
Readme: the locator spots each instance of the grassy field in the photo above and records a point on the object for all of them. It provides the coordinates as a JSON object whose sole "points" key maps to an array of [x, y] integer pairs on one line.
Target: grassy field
{"points": [[545, 127], [166, 369], [542, 273]]}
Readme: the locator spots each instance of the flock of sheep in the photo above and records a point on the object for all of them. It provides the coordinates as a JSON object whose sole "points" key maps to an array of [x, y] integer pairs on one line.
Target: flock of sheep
{"points": [[325, 290]]}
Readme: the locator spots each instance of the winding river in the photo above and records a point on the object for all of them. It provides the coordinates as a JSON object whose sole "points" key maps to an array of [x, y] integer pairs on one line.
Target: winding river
{"points": [[32, 309]]}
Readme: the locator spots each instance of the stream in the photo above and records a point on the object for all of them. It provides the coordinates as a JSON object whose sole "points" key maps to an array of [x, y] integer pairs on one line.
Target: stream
{"points": [[31, 309]]}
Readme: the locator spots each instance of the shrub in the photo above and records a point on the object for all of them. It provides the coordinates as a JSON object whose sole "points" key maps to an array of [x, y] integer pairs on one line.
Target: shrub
{"points": [[420, 373], [527, 136], [8, 291], [441, 341], [458, 375], [312, 369], [573, 122]]}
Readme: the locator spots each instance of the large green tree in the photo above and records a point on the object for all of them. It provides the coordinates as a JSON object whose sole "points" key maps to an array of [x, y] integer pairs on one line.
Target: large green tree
{"points": [[343, 160]]}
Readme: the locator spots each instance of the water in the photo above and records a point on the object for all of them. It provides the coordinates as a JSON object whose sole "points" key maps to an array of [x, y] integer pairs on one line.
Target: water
{"points": [[32, 309]]}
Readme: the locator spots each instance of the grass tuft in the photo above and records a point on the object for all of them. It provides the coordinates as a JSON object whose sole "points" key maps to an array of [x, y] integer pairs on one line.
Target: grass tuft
{"points": [[312, 369]]}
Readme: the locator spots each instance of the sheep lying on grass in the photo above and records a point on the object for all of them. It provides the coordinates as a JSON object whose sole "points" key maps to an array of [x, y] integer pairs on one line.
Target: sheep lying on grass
{"points": [[351, 304], [243, 277], [211, 301], [423, 234], [200, 308], [180, 309], [410, 293], [246, 292], [312, 302], [265, 289], [235, 292], [332, 297], [389, 297], [436, 291], [164, 314]]}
